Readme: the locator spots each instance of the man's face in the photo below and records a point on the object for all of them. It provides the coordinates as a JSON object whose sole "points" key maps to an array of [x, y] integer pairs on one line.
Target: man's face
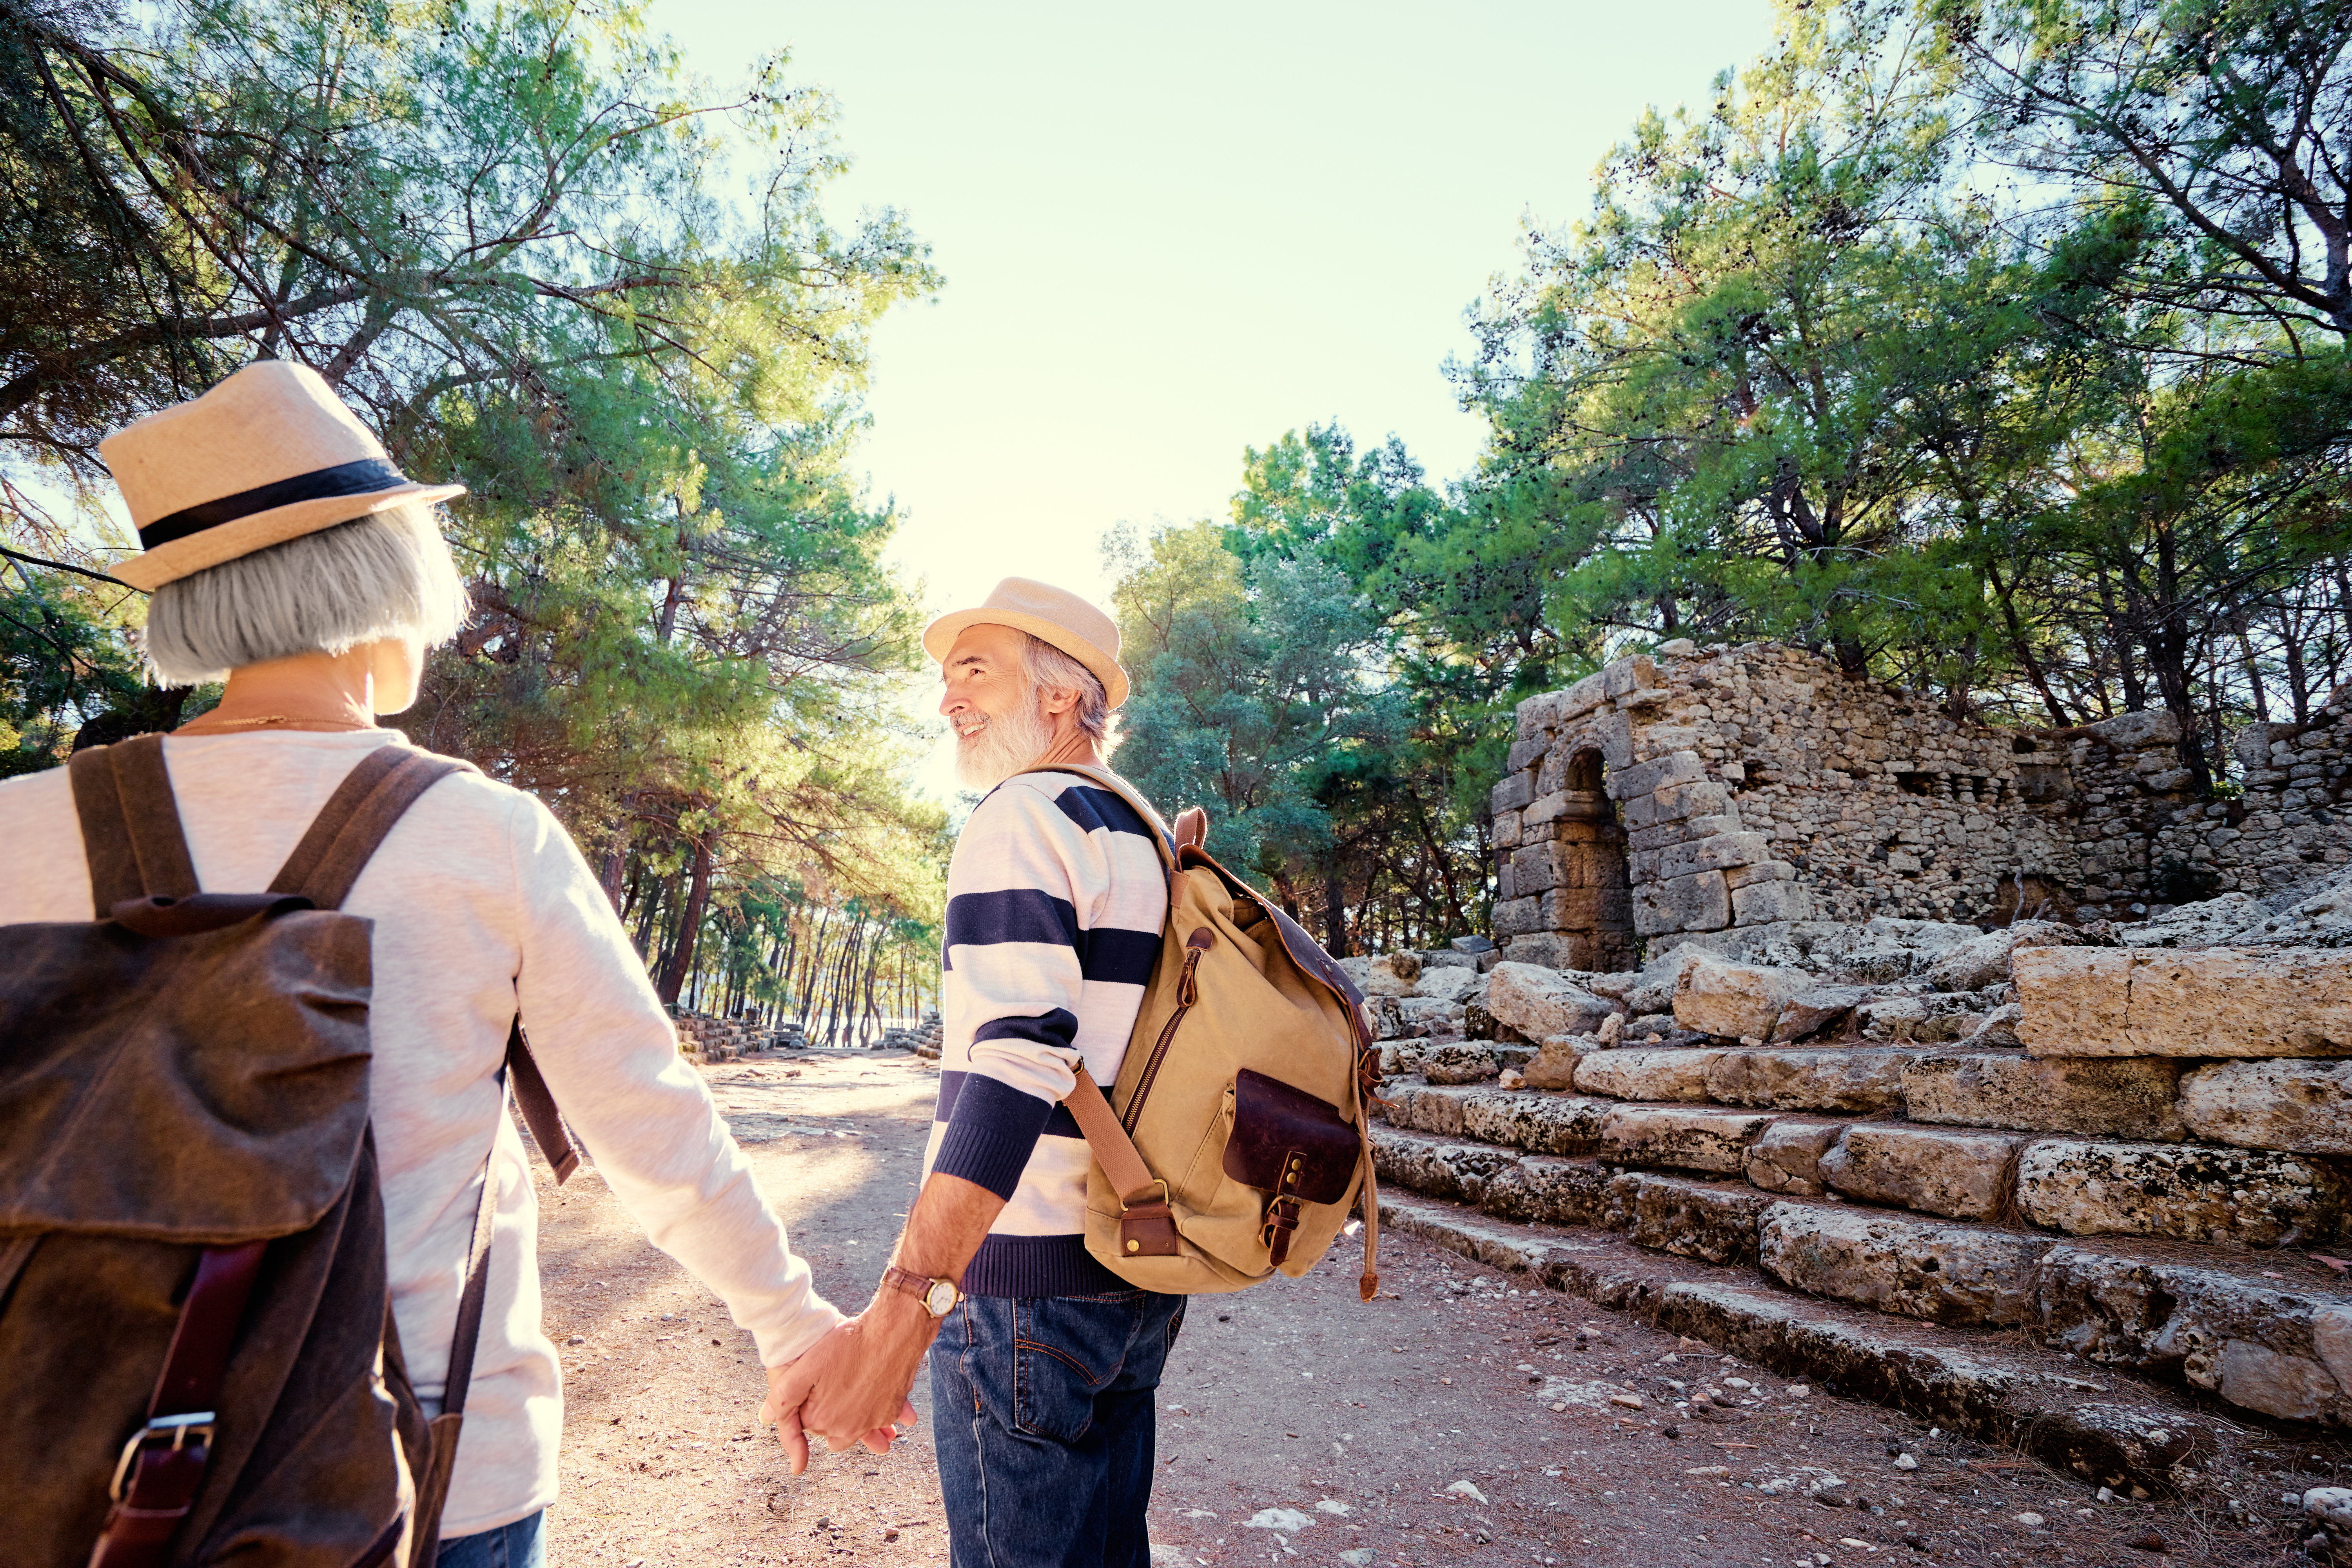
{"points": [[991, 704]]}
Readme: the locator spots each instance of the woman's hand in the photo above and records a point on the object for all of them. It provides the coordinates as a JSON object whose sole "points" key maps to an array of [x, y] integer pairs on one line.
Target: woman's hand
{"points": [[791, 1386]]}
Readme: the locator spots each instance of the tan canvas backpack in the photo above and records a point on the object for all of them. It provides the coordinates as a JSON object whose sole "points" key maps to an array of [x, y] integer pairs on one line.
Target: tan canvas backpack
{"points": [[1235, 1139]]}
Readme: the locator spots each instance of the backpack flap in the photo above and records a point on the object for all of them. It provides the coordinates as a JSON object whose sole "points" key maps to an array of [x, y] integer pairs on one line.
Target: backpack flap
{"points": [[1292, 1146]]}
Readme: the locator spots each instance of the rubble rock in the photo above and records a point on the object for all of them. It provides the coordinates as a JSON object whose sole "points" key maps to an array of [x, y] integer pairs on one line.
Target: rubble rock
{"points": [[1393, 975], [1669, 1075], [2214, 922], [1786, 1157], [1439, 1019], [1961, 1175], [1998, 1028], [1736, 1001], [2221, 1002], [2320, 918], [2301, 1106], [1882, 950], [1830, 1079], [1926, 1019], [1459, 1062], [1979, 963], [1818, 1008], [1614, 987], [2330, 1507], [1688, 1139], [1390, 1022], [1555, 1063], [1540, 1003], [2115, 1097], [2242, 1196], [1450, 983]]}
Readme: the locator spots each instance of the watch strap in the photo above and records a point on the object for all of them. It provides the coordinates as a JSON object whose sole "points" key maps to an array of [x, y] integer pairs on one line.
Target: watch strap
{"points": [[919, 1286]]}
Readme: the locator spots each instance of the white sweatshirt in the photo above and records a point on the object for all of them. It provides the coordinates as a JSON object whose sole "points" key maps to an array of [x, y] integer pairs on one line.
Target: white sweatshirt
{"points": [[481, 902]]}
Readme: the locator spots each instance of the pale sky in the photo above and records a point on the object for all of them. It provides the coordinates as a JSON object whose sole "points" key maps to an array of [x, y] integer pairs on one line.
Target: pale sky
{"points": [[1171, 234]]}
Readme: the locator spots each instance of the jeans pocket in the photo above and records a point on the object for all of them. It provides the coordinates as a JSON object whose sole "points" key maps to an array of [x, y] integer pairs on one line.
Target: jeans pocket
{"points": [[1066, 1350]]}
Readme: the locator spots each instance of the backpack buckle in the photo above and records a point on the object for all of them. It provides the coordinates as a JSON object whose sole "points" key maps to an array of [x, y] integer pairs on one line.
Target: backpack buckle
{"points": [[1148, 1229], [176, 1427], [1162, 1201]]}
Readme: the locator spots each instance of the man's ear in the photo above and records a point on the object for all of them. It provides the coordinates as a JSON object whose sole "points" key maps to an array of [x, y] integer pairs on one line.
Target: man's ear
{"points": [[1053, 701]]}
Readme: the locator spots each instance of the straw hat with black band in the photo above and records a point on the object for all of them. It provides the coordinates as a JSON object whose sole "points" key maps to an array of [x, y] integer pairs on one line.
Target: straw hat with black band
{"points": [[1053, 615], [269, 455]]}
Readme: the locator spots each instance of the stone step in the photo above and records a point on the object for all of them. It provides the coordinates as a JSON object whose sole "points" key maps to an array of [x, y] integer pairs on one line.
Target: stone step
{"points": [[2078, 1185], [2214, 1317], [2219, 1001], [2111, 1429]]}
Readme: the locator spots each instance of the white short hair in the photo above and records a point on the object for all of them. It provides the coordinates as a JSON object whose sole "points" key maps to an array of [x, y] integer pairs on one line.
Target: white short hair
{"points": [[1051, 669], [387, 575]]}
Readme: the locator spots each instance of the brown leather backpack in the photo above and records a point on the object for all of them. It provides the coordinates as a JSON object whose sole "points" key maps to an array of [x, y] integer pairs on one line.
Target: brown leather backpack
{"points": [[197, 1357]]}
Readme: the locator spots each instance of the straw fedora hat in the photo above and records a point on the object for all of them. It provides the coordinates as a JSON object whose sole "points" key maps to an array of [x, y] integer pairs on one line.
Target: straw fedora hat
{"points": [[1051, 614], [269, 455]]}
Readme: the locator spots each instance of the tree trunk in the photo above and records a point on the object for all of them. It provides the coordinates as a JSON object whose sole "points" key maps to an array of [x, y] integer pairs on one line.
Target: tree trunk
{"points": [[1285, 893], [616, 861], [2168, 656], [681, 953], [1335, 909]]}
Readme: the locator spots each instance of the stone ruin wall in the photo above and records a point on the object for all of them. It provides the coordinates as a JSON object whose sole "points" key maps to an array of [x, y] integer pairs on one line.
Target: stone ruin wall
{"points": [[1697, 791]]}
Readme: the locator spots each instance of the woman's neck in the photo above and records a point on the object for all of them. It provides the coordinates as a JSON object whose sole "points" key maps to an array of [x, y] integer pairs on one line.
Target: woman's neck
{"points": [[309, 691]]}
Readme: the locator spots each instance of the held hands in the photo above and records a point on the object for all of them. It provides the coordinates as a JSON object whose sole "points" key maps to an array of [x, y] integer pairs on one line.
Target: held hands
{"points": [[850, 1385]]}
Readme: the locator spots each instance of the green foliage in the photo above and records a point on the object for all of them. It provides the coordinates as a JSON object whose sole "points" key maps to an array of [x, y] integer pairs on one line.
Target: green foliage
{"points": [[62, 663], [541, 259], [1278, 682]]}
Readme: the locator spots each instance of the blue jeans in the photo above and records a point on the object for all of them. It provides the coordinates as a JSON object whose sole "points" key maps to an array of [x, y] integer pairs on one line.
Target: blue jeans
{"points": [[1043, 1421], [522, 1544]]}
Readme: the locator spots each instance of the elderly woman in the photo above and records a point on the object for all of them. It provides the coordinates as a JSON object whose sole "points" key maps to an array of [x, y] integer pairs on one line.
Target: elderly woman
{"points": [[285, 552]]}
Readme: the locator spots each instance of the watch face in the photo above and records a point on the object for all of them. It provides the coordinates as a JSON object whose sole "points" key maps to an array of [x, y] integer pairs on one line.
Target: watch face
{"points": [[940, 1299]]}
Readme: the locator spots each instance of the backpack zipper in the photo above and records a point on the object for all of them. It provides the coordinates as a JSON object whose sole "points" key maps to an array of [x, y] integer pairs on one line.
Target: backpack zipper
{"points": [[1188, 993]]}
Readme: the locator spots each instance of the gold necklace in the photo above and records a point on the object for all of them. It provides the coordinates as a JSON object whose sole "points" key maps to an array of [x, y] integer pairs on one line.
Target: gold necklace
{"points": [[266, 719]]}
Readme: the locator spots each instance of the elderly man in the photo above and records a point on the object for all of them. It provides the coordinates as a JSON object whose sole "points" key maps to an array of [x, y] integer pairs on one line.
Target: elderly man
{"points": [[1042, 1361]]}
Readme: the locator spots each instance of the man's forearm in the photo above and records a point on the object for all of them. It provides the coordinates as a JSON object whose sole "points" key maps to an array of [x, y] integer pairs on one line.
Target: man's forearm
{"points": [[950, 1220]]}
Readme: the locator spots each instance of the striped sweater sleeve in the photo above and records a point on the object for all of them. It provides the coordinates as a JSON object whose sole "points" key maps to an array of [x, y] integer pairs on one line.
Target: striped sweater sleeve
{"points": [[1022, 874]]}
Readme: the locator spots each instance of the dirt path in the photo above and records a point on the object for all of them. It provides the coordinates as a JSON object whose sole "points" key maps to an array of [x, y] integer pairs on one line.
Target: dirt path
{"points": [[1454, 1420]]}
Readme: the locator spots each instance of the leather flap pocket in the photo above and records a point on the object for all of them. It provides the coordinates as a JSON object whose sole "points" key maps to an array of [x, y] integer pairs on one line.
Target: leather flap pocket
{"points": [[1287, 1141]]}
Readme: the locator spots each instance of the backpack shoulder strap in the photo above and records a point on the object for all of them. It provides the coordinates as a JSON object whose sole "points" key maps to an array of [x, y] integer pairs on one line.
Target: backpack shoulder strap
{"points": [[353, 824], [347, 831], [130, 824], [1126, 791]]}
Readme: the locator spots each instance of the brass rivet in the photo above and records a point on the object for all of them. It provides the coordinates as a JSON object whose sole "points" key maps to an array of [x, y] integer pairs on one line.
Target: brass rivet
{"points": [[1135, 1247]]}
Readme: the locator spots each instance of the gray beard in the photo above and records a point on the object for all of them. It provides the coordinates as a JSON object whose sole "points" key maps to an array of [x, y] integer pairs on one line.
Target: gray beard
{"points": [[1003, 747]]}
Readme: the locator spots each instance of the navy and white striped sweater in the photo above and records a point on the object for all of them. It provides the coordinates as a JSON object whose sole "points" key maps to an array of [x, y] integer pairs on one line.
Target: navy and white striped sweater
{"points": [[1055, 898]]}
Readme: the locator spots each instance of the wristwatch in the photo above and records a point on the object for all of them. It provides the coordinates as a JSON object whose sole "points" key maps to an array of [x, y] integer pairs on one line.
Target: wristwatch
{"points": [[939, 1296]]}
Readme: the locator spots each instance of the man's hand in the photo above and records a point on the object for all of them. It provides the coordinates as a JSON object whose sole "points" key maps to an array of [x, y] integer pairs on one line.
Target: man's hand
{"points": [[845, 1388], [866, 1367], [788, 1391]]}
